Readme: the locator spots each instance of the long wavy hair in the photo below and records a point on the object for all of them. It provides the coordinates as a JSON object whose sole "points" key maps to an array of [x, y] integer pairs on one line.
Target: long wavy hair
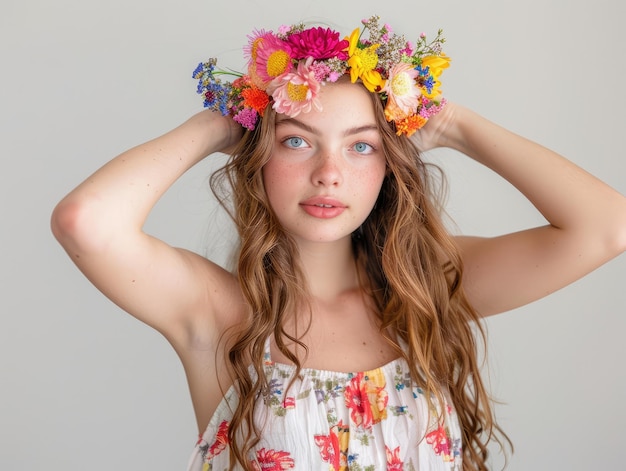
{"points": [[409, 264]]}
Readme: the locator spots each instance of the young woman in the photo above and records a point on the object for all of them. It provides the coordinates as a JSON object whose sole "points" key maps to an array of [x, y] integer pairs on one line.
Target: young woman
{"points": [[346, 337]]}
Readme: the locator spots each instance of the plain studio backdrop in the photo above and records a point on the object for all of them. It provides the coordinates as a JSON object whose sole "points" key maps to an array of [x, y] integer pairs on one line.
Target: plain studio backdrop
{"points": [[86, 386]]}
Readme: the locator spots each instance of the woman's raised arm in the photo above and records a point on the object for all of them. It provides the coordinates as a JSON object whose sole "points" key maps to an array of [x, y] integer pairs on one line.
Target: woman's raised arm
{"points": [[100, 226], [587, 218]]}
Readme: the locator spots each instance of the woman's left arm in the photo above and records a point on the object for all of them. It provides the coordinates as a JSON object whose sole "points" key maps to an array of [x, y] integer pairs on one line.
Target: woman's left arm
{"points": [[587, 218]]}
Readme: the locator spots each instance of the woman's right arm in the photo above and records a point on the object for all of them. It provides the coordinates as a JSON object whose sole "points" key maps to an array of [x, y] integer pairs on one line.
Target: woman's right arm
{"points": [[100, 223]]}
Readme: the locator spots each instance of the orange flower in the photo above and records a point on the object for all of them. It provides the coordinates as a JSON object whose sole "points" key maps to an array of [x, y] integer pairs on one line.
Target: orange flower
{"points": [[255, 98], [410, 124]]}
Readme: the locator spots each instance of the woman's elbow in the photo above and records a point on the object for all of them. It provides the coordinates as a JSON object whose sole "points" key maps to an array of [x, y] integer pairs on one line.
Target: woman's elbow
{"points": [[74, 224], [617, 234], [64, 221]]}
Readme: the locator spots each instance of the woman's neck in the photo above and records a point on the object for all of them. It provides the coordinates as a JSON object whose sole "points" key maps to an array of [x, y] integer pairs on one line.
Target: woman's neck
{"points": [[329, 268]]}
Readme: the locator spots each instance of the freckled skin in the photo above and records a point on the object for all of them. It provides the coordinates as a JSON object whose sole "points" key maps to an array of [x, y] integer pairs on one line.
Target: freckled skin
{"points": [[335, 153]]}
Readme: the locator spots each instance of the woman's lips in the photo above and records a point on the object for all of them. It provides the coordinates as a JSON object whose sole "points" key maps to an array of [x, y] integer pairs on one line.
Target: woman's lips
{"points": [[323, 207]]}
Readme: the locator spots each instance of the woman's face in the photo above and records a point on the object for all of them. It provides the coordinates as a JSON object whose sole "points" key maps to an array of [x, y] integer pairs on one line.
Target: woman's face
{"points": [[327, 167]]}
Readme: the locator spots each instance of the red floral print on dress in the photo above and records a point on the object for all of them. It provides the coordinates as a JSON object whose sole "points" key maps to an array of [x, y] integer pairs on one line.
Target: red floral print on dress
{"points": [[439, 441], [272, 460], [334, 447], [221, 440], [394, 463], [366, 397], [289, 402]]}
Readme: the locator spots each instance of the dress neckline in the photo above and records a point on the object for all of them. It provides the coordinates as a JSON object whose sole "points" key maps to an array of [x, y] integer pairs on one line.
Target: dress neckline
{"points": [[267, 359]]}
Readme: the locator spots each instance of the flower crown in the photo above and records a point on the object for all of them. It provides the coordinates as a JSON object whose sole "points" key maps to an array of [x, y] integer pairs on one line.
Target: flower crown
{"points": [[288, 68]]}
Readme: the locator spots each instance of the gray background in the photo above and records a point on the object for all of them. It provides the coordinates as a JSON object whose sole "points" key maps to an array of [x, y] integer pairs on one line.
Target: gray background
{"points": [[85, 386]]}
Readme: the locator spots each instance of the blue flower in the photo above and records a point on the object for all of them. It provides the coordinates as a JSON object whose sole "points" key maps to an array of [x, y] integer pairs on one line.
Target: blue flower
{"points": [[423, 72], [429, 83]]}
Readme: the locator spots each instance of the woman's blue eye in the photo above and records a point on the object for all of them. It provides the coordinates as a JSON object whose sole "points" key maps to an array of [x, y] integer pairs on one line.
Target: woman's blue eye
{"points": [[294, 142], [362, 147]]}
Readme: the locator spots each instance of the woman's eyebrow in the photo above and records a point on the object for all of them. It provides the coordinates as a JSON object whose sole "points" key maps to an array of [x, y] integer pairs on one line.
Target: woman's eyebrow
{"points": [[298, 123], [359, 129], [313, 130]]}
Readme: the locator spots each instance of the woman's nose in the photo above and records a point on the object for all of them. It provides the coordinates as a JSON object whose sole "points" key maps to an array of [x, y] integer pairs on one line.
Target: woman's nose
{"points": [[327, 171]]}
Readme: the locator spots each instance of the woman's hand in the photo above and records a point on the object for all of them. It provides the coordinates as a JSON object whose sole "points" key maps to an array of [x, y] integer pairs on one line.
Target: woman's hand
{"points": [[213, 132], [438, 131]]}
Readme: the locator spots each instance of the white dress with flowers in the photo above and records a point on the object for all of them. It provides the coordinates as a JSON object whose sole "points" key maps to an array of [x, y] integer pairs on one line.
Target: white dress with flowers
{"points": [[331, 421]]}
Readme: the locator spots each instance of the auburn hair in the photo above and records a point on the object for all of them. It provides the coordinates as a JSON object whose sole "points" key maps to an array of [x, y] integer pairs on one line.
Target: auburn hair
{"points": [[409, 264]]}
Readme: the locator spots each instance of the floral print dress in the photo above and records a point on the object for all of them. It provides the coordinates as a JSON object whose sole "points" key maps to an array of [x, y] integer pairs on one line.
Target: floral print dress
{"points": [[332, 421]]}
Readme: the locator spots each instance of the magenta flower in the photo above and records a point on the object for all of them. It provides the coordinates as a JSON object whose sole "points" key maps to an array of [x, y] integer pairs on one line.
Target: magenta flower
{"points": [[297, 91], [318, 43], [408, 49]]}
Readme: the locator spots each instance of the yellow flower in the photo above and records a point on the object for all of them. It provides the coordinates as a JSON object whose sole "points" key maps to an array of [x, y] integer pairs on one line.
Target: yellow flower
{"points": [[377, 395], [436, 64], [362, 62]]}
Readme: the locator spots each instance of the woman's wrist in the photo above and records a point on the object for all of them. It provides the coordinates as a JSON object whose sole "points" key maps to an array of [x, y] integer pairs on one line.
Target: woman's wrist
{"points": [[449, 127], [208, 132], [441, 130]]}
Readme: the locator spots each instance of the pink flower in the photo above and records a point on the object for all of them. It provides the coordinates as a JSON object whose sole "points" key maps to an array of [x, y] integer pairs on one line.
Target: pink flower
{"points": [[402, 92], [320, 70], [408, 49], [273, 58], [318, 43], [254, 39], [247, 117], [334, 76], [296, 92], [284, 29]]}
